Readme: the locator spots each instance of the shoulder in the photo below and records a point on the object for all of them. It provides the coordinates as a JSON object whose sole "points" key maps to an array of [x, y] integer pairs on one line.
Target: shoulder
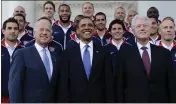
{"points": [[55, 43]]}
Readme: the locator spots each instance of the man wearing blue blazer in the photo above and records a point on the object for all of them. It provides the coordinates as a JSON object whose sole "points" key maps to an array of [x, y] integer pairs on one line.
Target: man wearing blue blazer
{"points": [[33, 74]]}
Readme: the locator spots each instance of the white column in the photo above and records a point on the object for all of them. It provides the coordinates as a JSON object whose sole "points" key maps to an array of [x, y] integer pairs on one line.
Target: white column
{"points": [[166, 8], [8, 9]]}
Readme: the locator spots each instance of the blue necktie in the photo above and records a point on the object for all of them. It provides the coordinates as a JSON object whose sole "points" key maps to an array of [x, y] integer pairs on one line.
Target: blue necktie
{"points": [[86, 61], [46, 63]]}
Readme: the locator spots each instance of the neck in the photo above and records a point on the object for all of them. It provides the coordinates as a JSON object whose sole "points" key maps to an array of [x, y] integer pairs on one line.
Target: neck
{"points": [[118, 41], [65, 24], [86, 41], [11, 43], [143, 41], [100, 32], [154, 36], [42, 45], [167, 43], [20, 32]]}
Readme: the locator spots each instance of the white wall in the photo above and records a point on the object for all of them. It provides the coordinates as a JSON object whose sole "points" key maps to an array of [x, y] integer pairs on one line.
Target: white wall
{"points": [[8, 9], [166, 8]]}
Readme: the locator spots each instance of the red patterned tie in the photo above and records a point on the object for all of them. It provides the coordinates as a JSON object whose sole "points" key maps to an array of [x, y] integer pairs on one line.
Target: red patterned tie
{"points": [[146, 60]]}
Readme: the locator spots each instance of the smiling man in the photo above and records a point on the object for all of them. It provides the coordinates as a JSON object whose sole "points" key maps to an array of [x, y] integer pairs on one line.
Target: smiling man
{"points": [[35, 80], [145, 71], [85, 71]]}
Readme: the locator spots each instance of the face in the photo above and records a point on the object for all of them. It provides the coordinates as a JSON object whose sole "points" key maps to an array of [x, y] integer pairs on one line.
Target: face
{"points": [[154, 26], [120, 14], [100, 22], [131, 16], [117, 31], [88, 10], [167, 30], [19, 10], [153, 12], [11, 31], [43, 32], [49, 11], [21, 22], [142, 29], [86, 29], [64, 14]]}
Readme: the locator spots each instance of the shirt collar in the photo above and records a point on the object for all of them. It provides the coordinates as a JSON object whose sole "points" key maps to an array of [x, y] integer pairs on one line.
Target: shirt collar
{"points": [[22, 34], [117, 45], [67, 26], [169, 48], [82, 44], [39, 48], [7, 46], [140, 46]]}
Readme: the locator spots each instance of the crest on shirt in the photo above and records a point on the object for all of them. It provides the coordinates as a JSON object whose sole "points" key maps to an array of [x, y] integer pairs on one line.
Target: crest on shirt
{"points": [[30, 31], [51, 49], [25, 42]]}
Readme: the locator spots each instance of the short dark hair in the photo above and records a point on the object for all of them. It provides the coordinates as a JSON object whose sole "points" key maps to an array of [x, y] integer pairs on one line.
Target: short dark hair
{"points": [[11, 19], [64, 5], [116, 21], [85, 17], [156, 19], [49, 2], [77, 21], [169, 18], [45, 18], [20, 16], [100, 13]]}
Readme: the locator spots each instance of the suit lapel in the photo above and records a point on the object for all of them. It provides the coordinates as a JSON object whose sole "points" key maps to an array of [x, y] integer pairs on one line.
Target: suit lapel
{"points": [[139, 60], [153, 58], [94, 60], [39, 61], [53, 59]]}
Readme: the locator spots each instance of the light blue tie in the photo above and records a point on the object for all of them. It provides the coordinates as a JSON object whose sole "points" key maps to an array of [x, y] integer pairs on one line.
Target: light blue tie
{"points": [[46, 63], [86, 61]]}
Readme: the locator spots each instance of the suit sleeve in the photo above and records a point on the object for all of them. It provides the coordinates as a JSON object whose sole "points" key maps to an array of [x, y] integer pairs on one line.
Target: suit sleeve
{"points": [[63, 86], [171, 79], [109, 81], [16, 78]]}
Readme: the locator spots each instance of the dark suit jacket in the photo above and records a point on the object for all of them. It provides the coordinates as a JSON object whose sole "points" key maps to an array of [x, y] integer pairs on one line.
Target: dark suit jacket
{"points": [[73, 83], [28, 80], [134, 86]]}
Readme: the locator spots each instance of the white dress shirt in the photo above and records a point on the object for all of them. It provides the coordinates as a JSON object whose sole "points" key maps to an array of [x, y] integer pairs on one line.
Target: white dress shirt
{"points": [[153, 41], [10, 49], [117, 45], [148, 49], [90, 48], [40, 51]]}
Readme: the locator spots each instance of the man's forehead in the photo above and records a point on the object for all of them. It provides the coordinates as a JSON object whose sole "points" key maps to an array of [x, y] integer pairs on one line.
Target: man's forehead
{"points": [[11, 24], [166, 22], [19, 8]]}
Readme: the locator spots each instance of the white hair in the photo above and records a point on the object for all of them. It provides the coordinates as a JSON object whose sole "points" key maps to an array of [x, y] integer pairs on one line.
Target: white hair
{"points": [[138, 17]]}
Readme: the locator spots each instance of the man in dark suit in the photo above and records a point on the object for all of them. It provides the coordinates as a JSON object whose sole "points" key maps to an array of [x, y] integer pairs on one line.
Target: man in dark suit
{"points": [[9, 45], [144, 73], [85, 72], [33, 74]]}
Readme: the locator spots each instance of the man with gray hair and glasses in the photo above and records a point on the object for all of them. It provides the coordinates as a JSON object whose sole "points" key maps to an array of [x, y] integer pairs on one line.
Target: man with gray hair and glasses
{"points": [[145, 73]]}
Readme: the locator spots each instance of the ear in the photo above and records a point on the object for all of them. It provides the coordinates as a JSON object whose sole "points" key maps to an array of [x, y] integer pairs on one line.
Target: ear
{"points": [[3, 31]]}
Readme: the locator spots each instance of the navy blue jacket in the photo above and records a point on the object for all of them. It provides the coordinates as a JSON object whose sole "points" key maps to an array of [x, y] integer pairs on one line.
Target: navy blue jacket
{"points": [[26, 38], [105, 38], [29, 28], [5, 67], [60, 36], [30, 83]]}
